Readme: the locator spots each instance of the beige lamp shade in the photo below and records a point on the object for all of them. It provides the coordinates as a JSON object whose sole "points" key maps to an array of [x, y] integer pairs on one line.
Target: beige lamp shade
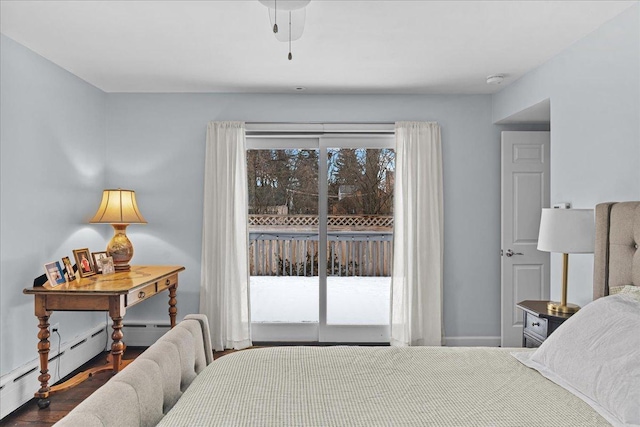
{"points": [[568, 231], [118, 207]]}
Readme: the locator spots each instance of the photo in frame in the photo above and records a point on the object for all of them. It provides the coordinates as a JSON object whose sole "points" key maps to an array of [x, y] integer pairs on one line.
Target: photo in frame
{"points": [[98, 257], [83, 261], [54, 273], [67, 265], [107, 265]]}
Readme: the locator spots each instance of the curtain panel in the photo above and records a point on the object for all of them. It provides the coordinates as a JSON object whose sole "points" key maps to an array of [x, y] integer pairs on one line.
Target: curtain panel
{"points": [[416, 284], [224, 290]]}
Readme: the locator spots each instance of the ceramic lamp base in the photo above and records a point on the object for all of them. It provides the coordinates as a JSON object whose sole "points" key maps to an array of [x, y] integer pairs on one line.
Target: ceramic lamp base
{"points": [[559, 308], [120, 248]]}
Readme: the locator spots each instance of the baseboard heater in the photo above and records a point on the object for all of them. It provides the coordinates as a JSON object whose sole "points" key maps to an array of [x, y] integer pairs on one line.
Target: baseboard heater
{"points": [[18, 386]]}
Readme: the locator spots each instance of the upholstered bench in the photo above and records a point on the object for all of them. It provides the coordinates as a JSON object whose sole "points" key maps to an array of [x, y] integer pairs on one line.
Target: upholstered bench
{"points": [[143, 392]]}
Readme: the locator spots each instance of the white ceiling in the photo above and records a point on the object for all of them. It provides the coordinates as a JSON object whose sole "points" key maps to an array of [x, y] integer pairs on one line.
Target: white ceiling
{"points": [[347, 46]]}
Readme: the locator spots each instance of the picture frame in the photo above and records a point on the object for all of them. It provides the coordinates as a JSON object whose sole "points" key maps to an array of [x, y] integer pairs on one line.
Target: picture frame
{"points": [[84, 262], [107, 265], [66, 262], [54, 273], [97, 260]]}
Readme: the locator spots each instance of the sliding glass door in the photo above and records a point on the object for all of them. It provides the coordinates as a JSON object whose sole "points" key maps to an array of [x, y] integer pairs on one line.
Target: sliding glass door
{"points": [[321, 230]]}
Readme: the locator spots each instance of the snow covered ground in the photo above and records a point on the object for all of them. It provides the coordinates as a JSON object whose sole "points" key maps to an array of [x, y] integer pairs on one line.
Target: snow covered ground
{"points": [[350, 300]]}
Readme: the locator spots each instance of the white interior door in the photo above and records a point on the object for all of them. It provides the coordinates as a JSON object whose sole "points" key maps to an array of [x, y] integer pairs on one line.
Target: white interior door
{"points": [[525, 191]]}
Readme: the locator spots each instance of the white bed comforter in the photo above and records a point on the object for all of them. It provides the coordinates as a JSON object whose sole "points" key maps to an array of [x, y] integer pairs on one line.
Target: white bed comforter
{"points": [[376, 386]]}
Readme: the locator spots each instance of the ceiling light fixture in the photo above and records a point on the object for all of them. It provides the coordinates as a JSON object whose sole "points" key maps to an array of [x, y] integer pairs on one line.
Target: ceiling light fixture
{"points": [[293, 12]]}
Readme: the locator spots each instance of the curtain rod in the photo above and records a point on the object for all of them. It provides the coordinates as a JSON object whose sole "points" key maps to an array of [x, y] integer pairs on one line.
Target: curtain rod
{"points": [[321, 123], [311, 128]]}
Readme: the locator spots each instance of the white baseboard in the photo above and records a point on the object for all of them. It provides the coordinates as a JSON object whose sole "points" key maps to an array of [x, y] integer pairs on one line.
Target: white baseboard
{"points": [[18, 386], [472, 341], [140, 333]]}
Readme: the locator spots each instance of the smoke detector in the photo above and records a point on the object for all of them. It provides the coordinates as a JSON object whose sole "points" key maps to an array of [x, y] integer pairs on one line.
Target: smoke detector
{"points": [[495, 79]]}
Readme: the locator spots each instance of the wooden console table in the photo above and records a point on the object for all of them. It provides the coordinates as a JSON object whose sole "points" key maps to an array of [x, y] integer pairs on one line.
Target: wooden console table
{"points": [[113, 293]]}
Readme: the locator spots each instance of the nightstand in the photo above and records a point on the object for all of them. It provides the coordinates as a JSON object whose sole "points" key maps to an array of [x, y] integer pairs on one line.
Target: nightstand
{"points": [[539, 322]]}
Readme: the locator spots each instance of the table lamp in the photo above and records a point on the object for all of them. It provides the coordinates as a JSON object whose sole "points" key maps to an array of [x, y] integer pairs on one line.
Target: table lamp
{"points": [[567, 231], [119, 208]]}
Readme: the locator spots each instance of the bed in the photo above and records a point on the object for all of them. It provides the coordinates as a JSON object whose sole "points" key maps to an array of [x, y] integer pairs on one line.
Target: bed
{"points": [[586, 374], [384, 386]]}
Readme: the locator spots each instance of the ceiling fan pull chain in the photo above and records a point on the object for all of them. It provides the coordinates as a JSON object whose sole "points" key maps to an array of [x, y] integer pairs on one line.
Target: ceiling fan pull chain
{"points": [[275, 16], [290, 56]]}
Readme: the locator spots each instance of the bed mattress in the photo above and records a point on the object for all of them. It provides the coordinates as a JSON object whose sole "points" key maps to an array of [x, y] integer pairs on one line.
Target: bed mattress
{"points": [[376, 386]]}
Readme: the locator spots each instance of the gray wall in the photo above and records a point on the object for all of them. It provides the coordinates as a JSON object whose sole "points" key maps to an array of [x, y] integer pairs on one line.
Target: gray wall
{"points": [[163, 136], [594, 88], [53, 160]]}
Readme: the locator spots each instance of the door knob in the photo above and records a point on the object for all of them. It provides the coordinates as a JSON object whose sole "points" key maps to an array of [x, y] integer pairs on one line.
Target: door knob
{"points": [[510, 253]]}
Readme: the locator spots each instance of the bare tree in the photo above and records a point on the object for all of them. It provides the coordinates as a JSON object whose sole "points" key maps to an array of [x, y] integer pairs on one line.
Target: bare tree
{"points": [[303, 182], [267, 185], [358, 181]]}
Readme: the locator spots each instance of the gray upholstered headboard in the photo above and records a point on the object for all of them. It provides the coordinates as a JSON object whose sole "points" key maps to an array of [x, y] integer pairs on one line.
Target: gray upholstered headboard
{"points": [[617, 258]]}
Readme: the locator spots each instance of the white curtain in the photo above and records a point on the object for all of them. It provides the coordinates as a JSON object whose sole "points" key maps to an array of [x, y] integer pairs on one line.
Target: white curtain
{"points": [[224, 291], [416, 284]]}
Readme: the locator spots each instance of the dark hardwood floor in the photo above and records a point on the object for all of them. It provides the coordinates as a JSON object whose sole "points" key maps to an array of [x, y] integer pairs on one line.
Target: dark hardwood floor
{"points": [[63, 402]]}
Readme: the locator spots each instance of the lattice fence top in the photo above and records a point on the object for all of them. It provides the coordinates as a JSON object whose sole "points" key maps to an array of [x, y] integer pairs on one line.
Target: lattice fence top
{"points": [[294, 220], [356, 221], [361, 221]]}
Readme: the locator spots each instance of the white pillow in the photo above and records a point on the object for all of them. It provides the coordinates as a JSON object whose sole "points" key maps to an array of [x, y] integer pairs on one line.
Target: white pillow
{"points": [[596, 356], [632, 291]]}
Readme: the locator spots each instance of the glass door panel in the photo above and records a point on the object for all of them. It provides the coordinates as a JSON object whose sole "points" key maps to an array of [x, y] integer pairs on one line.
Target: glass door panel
{"points": [[359, 235], [320, 248], [283, 236]]}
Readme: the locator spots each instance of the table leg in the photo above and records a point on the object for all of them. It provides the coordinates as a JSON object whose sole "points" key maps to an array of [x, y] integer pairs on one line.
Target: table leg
{"points": [[117, 347], [116, 312], [173, 310], [43, 350]]}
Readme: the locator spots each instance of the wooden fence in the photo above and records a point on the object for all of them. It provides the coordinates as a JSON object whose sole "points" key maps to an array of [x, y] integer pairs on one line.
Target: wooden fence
{"points": [[296, 254]]}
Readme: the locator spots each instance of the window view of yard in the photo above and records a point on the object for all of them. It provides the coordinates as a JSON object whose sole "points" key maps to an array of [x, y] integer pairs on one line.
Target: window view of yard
{"points": [[283, 226]]}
